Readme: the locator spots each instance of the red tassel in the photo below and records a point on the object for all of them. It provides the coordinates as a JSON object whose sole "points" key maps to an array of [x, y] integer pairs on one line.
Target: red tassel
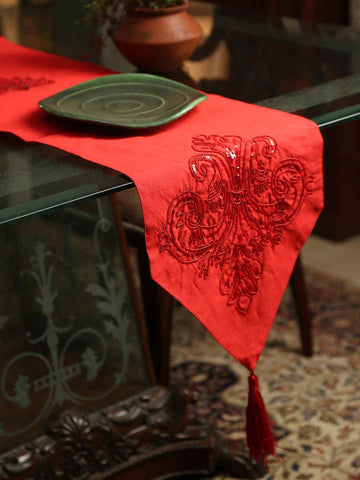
{"points": [[260, 438]]}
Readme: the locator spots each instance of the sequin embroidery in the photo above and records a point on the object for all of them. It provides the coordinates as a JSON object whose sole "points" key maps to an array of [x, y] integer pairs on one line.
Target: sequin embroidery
{"points": [[243, 201], [18, 83]]}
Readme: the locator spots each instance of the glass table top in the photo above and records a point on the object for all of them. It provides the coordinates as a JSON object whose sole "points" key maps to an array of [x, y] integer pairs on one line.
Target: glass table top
{"points": [[311, 69]]}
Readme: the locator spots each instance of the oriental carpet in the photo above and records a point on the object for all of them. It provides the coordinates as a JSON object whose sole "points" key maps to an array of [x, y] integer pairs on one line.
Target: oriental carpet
{"points": [[314, 402]]}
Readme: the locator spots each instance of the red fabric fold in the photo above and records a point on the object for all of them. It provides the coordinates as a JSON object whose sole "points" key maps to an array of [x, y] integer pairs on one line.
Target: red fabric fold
{"points": [[230, 192]]}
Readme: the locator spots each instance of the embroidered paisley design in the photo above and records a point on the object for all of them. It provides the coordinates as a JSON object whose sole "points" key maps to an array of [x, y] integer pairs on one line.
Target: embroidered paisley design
{"points": [[17, 83], [244, 199]]}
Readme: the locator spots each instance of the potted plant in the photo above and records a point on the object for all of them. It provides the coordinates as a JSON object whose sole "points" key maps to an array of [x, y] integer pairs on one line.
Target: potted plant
{"points": [[155, 35]]}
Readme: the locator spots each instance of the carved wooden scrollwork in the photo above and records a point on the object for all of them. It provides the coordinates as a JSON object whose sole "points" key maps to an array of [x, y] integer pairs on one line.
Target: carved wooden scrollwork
{"points": [[148, 436]]}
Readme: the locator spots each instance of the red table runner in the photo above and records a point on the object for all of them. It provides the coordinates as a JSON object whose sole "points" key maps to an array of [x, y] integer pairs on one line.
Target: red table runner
{"points": [[230, 193]]}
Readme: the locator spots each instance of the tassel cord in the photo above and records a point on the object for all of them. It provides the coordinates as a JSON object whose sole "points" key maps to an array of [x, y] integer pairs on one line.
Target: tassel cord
{"points": [[260, 438]]}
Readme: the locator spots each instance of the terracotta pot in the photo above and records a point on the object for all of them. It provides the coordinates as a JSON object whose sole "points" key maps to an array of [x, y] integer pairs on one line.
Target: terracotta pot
{"points": [[158, 40]]}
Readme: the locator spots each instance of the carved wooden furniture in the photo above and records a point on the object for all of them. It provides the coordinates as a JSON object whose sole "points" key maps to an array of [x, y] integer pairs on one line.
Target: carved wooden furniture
{"points": [[146, 437]]}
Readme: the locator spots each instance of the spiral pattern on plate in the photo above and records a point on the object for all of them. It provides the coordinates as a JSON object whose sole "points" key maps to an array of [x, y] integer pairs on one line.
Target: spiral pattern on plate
{"points": [[128, 100], [123, 102]]}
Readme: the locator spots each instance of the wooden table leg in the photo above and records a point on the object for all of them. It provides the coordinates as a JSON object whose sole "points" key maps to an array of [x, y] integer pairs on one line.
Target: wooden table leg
{"points": [[158, 307], [298, 286]]}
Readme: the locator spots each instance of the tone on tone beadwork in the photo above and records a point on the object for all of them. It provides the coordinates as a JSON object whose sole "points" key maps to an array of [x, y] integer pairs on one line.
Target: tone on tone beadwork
{"points": [[244, 199], [17, 83]]}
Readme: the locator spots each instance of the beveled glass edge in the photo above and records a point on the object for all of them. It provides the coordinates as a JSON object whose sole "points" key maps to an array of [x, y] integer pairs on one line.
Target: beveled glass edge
{"points": [[85, 195], [338, 117]]}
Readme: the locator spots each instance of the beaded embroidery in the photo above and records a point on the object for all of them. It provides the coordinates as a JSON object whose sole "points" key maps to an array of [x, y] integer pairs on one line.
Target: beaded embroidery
{"points": [[244, 199], [18, 83]]}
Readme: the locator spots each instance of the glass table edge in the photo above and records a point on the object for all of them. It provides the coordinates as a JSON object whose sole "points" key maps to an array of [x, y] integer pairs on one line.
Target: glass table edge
{"points": [[25, 214], [338, 117], [325, 121]]}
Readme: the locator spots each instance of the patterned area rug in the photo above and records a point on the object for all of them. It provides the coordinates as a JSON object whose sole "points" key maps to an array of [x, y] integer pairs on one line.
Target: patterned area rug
{"points": [[314, 403]]}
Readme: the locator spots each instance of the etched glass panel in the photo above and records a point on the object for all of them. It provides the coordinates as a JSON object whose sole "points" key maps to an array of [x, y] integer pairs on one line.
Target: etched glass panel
{"points": [[69, 337]]}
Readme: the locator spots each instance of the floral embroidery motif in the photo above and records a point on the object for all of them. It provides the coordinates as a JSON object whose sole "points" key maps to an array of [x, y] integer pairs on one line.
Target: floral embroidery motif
{"points": [[244, 199], [17, 83]]}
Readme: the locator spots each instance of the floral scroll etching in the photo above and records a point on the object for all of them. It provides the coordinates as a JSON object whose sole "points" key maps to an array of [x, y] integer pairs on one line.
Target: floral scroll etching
{"points": [[244, 199], [82, 355]]}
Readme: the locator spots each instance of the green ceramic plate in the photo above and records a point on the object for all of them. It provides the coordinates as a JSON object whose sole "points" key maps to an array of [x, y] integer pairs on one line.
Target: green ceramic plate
{"points": [[131, 100]]}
